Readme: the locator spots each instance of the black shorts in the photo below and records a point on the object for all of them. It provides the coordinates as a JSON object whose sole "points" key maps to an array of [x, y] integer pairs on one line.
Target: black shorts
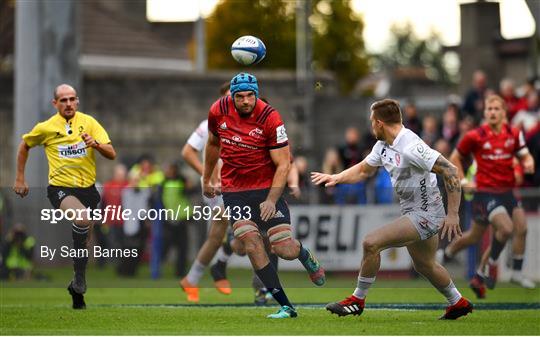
{"points": [[88, 196], [245, 205], [484, 203]]}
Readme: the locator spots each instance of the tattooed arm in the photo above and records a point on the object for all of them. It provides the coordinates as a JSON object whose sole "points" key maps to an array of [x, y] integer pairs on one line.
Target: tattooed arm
{"points": [[449, 172]]}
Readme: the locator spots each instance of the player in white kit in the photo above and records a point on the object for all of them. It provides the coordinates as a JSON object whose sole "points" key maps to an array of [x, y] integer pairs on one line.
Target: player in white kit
{"points": [[219, 225], [412, 166]]}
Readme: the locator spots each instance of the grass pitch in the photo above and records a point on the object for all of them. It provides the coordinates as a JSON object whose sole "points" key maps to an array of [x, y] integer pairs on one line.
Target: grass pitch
{"points": [[140, 306]]}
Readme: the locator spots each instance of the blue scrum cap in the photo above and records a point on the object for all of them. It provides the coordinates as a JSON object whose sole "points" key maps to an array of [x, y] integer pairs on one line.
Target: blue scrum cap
{"points": [[244, 82]]}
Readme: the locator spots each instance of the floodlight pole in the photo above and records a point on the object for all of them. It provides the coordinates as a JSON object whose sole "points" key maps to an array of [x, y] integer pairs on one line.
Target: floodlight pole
{"points": [[46, 55], [200, 57], [305, 78], [534, 7]]}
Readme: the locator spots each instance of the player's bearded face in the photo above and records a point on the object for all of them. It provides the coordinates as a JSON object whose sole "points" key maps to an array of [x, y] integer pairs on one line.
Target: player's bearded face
{"points": [[244, 102]]}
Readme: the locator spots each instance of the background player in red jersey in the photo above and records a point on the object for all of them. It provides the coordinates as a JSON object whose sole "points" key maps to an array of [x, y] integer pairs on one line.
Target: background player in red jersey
{"points": [[494, 146], [476, 233], [250, 138]]}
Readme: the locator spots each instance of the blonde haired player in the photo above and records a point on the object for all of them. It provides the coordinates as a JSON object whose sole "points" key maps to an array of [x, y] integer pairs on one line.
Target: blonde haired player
{"points": [[411, 164]]}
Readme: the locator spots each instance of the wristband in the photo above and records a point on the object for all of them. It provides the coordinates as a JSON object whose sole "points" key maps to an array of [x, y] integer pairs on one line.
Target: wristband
{"points": [[464, 181]]}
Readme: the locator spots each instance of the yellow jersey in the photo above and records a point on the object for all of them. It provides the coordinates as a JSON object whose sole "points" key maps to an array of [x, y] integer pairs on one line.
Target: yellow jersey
{"points": [[71, 163]]}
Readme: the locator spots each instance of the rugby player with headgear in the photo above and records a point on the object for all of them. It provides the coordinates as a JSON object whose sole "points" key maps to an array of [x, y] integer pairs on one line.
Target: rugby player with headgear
{"points": [[250, 138]]}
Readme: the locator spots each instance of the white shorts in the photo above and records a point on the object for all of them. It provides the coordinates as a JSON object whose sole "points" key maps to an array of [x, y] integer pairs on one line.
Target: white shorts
{"points": [[427, 223], [213, 202]]}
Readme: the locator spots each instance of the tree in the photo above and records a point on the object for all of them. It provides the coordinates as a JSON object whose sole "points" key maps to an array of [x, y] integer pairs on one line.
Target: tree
{"points": [[270, 20], [337, 36], [338, 42], [407, 50]]}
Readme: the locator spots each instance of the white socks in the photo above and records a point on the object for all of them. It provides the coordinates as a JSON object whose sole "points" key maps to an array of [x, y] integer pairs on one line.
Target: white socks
{"points": [[362, 286], [451, 293], [196, 272]]}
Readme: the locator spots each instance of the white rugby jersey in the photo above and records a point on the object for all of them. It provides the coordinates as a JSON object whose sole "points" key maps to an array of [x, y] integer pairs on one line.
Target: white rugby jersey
{"points": [[199, 137], [409, 161], [198, 140]]}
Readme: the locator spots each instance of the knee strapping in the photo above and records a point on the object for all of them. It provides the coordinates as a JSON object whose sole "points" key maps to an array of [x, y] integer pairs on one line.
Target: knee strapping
{"points": [[280, 234], [245, 228]]}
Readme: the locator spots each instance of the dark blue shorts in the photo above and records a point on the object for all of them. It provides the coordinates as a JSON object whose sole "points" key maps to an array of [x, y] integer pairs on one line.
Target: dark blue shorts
{"points": [[245, 205], [484, 203]]}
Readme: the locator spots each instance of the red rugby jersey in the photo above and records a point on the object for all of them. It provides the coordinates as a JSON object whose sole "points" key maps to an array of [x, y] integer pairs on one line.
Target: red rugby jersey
{"points": [[494, 154], [246, 144]]}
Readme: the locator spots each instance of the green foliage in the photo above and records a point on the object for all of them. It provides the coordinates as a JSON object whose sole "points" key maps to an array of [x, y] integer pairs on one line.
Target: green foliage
{"points": [[338, 43], [407, 50], [270, 20], [337, 36]]}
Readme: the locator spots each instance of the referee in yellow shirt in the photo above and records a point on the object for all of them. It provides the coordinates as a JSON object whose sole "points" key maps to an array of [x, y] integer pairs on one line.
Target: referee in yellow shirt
{"points": [[70, 139]]}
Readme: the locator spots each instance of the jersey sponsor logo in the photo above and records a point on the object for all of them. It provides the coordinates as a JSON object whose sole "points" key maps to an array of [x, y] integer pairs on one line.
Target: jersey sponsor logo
{"points": [[72, 151], [237, 138], [281, 134], [232, 142], [423, 195], [256, 133], [223, 126], [496, 157]]}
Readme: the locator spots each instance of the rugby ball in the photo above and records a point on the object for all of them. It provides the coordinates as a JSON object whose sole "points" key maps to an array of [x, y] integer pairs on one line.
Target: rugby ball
{"points": [[248, 50]]}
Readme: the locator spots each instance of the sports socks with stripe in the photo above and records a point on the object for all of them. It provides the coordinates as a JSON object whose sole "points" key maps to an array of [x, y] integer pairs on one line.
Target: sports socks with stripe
{"points": [[270, 279], [256, 282], [80, 237], [362, 286], [451, 293]]}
